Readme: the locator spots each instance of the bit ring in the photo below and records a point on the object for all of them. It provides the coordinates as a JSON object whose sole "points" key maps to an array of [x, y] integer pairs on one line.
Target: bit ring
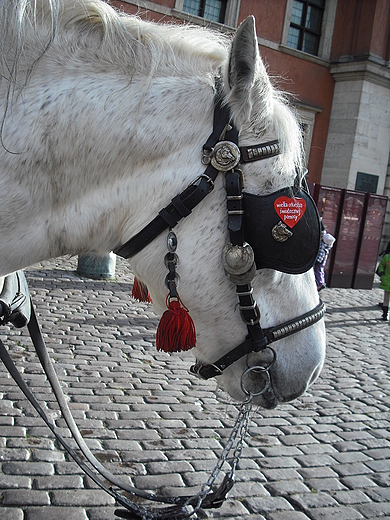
{"points": [[257, 369]]}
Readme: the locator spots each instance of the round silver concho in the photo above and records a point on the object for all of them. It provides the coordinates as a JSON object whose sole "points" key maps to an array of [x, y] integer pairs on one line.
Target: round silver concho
{"points": [[171, 242], [238, 259], [225, 156]]}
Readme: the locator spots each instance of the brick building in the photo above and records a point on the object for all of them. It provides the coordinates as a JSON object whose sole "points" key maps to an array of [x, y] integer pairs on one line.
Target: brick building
{"points": [[333, 56]]}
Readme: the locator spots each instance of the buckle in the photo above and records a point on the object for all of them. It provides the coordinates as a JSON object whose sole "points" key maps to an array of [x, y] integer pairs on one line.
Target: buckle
{"points": [[196, 182]]}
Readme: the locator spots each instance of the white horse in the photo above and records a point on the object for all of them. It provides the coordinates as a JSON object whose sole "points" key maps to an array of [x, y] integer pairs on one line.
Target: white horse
{"points": [[103, 121]]}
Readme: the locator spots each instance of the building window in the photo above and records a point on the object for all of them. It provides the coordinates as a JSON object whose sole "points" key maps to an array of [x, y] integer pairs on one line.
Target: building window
{"points": [[213, 10], [305, 25]]}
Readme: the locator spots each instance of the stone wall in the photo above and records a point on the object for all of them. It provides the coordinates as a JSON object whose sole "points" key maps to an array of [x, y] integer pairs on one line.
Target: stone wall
{"points": [[359, 129]]}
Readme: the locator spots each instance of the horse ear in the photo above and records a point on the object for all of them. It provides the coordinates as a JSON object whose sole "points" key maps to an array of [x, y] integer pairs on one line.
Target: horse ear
{"points": [[244, 58]]}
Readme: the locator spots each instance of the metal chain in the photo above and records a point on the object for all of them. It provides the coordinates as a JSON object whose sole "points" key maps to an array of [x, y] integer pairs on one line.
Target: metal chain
{"points": [[241, 426], [240, 429], [247, 407]]}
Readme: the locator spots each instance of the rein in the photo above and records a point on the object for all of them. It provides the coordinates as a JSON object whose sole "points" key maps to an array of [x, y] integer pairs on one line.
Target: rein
{"points": [[16, 307]]}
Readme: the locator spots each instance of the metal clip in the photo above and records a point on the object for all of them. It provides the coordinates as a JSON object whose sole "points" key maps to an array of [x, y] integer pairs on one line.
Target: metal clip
{"points": [[206, 156], [227, 128]]}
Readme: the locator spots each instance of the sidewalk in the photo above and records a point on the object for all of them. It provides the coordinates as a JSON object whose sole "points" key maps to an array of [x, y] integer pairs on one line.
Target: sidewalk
{"points": [[324, 456]]}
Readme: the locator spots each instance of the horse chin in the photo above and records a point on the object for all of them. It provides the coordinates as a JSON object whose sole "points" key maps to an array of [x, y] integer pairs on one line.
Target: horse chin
{"points": [[273, 394], [266, 400]]}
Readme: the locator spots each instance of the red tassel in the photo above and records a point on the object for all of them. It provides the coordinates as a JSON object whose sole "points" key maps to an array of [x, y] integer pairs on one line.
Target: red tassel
{"points": [[140, 292], [176, 330]]}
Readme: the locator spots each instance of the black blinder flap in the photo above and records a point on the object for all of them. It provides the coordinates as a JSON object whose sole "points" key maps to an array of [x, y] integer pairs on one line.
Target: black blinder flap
{"points": [[283, 229]]}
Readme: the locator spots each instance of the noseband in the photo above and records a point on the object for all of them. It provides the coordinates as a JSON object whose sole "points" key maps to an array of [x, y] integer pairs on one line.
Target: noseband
{"points": [[283, 229]]}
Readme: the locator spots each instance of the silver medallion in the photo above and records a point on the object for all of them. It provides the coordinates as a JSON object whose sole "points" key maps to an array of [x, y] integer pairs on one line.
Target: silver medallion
{"points": [[225, 156], [237, 260], [171, 242]]}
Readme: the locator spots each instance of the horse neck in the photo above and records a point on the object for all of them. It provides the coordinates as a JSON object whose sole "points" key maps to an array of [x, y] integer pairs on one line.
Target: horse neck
{"points": [[93, 153]]}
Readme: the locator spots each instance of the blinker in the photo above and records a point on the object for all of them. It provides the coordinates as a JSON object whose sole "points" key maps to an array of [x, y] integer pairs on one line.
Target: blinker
{"points": [[291, 214]]}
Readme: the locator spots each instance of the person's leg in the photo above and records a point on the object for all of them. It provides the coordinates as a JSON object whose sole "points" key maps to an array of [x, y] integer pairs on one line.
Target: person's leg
{"points": [[322, 277], [386, 300], [317, 274]]}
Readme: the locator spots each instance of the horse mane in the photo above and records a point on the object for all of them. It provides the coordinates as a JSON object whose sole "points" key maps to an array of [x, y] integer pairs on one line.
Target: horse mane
{"points": [[94, 37], [104, 37]]}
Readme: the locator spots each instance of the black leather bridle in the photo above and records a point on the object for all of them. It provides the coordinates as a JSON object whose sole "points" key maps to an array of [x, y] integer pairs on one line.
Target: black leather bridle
{"points": [[221, 153]]}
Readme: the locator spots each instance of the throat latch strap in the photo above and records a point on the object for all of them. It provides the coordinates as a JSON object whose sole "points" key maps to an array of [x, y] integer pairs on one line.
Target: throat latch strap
{"points": [[179, 207], [182, 205]]}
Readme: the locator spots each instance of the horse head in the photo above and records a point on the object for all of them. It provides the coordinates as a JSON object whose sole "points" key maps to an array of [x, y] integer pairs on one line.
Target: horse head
{"points": [[285, 371]]}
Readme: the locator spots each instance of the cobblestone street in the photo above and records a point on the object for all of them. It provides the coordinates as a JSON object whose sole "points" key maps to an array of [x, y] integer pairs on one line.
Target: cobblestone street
{"points": [[324, 456]]}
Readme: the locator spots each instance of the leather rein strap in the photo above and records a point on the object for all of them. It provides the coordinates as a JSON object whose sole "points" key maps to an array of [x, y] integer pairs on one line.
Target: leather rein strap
{"points": [[16, 307]]}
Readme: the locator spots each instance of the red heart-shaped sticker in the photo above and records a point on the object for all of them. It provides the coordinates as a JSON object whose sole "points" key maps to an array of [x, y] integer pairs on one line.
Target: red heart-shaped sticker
{"points": [[289, 210]]}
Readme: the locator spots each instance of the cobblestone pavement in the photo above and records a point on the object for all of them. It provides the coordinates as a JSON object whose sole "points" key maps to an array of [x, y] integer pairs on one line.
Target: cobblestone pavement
{"points": [[324, 456]]}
